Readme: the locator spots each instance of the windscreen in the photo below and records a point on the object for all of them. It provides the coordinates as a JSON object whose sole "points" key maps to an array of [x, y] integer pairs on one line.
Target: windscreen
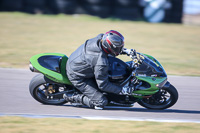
{"points": [[150, 67]]}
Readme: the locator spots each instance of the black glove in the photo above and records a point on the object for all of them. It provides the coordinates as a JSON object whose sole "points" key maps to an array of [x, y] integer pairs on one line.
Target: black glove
{"points": [[123, 51]]}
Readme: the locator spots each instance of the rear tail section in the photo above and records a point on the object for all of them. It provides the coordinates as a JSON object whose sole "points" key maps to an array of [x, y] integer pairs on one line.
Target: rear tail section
{"points": [[52, 65]]}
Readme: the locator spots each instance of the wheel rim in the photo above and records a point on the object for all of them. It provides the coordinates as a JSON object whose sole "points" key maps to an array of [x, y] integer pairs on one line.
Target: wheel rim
{"points": [[42, 94], [160, 100]]}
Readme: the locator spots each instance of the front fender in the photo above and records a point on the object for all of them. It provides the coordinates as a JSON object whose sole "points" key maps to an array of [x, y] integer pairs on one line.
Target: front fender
{"points": [[167, 85]]}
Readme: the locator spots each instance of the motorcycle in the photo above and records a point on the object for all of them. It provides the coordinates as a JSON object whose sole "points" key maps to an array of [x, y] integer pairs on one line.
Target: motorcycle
{"points": [[144, 73]]}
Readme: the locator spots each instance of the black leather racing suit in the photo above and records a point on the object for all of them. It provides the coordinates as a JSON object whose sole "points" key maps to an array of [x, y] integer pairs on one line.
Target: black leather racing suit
{"points": [[87, 69]]}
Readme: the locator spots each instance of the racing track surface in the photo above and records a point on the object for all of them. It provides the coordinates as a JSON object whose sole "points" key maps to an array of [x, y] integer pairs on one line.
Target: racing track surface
{"points": [[16, 99]]}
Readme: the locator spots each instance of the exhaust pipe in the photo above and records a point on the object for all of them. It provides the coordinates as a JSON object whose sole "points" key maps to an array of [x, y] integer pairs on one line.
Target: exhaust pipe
{"points": [[32, 68]]}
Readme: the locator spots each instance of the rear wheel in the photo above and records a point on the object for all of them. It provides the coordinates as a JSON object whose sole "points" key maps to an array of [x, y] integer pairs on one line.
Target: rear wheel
{"points": [[41, 90], [163, 99]]}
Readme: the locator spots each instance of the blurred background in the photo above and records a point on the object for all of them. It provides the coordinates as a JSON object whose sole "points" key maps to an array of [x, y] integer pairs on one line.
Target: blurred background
{"points": [[166, 29], [170, 11]]}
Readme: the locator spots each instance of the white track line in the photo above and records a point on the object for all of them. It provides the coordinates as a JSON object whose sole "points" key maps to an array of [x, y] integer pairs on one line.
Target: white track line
{"points": [[141, 119], [102, 118]]}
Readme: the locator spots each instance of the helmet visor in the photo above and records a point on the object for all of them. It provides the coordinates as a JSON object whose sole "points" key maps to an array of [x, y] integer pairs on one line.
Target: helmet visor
{"points": [[117, 50]]}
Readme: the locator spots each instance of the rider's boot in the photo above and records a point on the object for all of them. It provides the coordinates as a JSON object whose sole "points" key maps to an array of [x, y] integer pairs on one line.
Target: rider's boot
{"points": [[74, 99], [80, 99]]}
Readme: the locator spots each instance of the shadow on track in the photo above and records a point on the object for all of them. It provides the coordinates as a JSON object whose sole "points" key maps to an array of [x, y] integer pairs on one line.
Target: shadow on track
{"points": [[155, 111], [118, 108]]}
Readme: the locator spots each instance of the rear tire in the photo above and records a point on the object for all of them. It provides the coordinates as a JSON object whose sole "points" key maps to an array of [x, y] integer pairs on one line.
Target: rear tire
{"points": [[163, 99], [37, 88]]}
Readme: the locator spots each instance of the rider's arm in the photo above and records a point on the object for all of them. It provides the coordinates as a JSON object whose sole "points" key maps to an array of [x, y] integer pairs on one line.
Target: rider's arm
{"points": [[101, 76]]}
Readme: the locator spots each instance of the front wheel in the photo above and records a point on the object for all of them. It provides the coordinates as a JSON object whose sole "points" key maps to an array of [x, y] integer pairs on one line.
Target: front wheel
{"points": [[163, 99], [41, 91]]}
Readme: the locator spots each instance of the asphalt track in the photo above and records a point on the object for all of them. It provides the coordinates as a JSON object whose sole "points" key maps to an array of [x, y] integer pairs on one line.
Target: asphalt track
{"points": [[15, 99]]}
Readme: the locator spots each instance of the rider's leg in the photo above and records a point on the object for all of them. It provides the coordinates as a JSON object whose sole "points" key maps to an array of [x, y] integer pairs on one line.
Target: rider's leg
{"points": [[91, 96]]}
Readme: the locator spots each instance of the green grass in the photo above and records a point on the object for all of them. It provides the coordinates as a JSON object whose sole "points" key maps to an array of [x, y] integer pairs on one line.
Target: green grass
{"points": [[64, 125], [176, 46]]}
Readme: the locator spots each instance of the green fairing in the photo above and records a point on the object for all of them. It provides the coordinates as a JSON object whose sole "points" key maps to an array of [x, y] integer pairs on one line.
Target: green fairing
{"points": [[54, 76], [157, 80], [153, 89]]}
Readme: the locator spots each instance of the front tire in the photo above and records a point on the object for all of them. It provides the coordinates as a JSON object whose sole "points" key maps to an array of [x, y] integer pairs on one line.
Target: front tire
{"points": [[38, 88], [163, 99]]}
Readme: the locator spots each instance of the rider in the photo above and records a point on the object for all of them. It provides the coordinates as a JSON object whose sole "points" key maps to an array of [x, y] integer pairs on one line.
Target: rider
{"points": [[87, 69]]}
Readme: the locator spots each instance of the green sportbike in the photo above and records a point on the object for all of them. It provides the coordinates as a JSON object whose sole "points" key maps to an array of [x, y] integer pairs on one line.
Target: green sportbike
{"points": [[144, 73]]}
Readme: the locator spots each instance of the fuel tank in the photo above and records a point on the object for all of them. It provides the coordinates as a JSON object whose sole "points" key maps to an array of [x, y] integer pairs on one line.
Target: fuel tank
{"points": [[118, 70]]}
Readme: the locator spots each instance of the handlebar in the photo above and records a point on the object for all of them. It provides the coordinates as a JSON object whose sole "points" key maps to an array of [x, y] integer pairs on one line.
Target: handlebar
{"points": [[133, 54], [129, 52]]}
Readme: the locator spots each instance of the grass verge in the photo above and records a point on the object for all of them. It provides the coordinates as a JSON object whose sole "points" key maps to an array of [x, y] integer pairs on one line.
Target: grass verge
{"points": [[22, 36], [10, 124]]}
